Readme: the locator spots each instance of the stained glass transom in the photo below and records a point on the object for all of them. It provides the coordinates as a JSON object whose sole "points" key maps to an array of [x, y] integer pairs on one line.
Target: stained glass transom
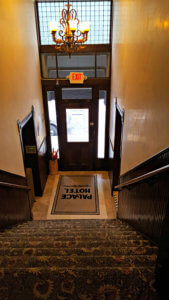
{"points": [[97, 12]]}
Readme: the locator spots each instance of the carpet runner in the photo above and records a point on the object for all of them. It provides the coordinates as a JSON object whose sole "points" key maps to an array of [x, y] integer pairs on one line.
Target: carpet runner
{"points": [[76, 259]]}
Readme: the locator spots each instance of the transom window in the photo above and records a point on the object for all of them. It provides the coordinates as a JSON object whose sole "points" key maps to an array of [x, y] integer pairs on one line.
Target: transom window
{"points": [[60, 65], [97, 12]]}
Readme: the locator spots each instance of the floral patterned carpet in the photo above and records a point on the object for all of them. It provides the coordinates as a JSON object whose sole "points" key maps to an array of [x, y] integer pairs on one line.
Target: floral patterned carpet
{"points": [[76, 259]]}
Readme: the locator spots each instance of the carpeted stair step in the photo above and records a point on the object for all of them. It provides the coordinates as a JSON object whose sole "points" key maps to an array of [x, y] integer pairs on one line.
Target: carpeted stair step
{"points": [[73, 243], [77, 261], [74, 224], [97, 251], [65, 237], [68, 232], [75, 227], [68, 223], [79, 283]]}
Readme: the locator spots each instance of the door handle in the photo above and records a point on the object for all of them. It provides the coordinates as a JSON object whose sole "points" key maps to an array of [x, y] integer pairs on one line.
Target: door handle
{"points": [[91, 124]]}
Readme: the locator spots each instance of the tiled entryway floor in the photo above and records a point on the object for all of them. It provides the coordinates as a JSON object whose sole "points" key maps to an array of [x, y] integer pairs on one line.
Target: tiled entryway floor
{"points": [[43, 205]]}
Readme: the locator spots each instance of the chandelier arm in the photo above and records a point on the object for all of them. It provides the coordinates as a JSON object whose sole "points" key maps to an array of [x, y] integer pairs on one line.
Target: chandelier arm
{"points": [[71, 40], [63, 20], [61, 33], [73, 15], [54, 36], [78, 33]]}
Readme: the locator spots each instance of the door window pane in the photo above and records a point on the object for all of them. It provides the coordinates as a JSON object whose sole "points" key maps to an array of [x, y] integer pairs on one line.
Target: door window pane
{"points": [[52, 120], [77, 123], [101, 124], [77, 93]]}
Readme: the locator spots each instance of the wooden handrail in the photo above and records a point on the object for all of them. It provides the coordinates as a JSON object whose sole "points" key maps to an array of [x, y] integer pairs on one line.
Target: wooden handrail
{"points": [[15, 186], [143, 177]]}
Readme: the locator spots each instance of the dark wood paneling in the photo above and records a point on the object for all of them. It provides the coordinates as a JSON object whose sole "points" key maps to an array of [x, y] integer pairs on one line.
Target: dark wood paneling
{"points": [[143, 204], [14, 199], [86, 49], [12, 178], [102, 83], [155, 162], [14, 205], [162, 265]]}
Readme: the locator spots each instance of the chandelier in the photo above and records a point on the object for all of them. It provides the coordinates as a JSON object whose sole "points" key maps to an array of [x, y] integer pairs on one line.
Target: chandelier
{"points": [[71, 37]]}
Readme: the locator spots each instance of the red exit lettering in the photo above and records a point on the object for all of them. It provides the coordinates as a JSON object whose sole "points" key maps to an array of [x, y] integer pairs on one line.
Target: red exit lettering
{"points": [[76, 76]]}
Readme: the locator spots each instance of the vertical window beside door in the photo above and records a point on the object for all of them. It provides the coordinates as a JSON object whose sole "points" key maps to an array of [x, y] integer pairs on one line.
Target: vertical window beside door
{"points": [[101, 124], [52, 120]]}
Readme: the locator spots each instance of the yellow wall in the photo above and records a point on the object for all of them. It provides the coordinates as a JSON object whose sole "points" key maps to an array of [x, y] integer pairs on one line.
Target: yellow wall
{"points": [[140, 77], [20, 85]]}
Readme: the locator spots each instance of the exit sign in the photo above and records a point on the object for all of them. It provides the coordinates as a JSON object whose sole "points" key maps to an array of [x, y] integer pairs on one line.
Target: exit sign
{"points": [[75, 77]]}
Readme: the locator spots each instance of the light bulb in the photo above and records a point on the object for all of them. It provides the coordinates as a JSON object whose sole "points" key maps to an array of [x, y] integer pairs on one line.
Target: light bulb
{"points": [[85, 27], [53, 26], [73, 25]]}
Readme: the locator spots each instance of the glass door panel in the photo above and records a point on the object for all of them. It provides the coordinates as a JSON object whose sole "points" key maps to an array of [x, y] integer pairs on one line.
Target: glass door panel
{"points": [[77, 93], [77, 124]]}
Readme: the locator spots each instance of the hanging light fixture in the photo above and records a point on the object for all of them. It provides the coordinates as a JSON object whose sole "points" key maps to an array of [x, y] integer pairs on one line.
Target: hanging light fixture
{"points": [[71, 37]]}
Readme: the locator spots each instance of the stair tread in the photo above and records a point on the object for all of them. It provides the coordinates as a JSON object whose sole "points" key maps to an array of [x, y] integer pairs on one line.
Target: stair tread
{"points": [[72, 238], [108, 251], [75, 259]]}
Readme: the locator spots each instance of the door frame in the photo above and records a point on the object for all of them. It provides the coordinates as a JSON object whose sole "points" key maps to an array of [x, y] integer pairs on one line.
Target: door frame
{"points": [[21, 126], [62, 105], [119, 119], [95, 83]]}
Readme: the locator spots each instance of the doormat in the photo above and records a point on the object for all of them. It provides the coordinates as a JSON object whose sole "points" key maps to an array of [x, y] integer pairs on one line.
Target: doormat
{"points": [[76, 195]]}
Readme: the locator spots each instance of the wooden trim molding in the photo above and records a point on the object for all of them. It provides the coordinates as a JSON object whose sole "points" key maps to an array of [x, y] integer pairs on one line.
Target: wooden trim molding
{"points": [[86, 49], [115, 152], [143, 177], [12, 178], [158, 160], [14, 186], [111, 149], [22, 123]]}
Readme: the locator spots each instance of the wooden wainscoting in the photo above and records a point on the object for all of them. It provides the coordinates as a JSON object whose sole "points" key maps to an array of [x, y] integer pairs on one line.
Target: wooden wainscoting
{"points": [[144, 195], [14, 199]]}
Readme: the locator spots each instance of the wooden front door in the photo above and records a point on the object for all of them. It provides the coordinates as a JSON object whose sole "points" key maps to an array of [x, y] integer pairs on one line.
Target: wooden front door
{"points": [[77, 128]]}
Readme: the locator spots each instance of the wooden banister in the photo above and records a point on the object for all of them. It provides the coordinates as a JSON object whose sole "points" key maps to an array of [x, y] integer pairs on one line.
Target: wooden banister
{"points": [[14, 186], [143, 177]]}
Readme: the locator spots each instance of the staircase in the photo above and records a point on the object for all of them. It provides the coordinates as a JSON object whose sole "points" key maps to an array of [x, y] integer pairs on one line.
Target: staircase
{"points": [[75, 259]]}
